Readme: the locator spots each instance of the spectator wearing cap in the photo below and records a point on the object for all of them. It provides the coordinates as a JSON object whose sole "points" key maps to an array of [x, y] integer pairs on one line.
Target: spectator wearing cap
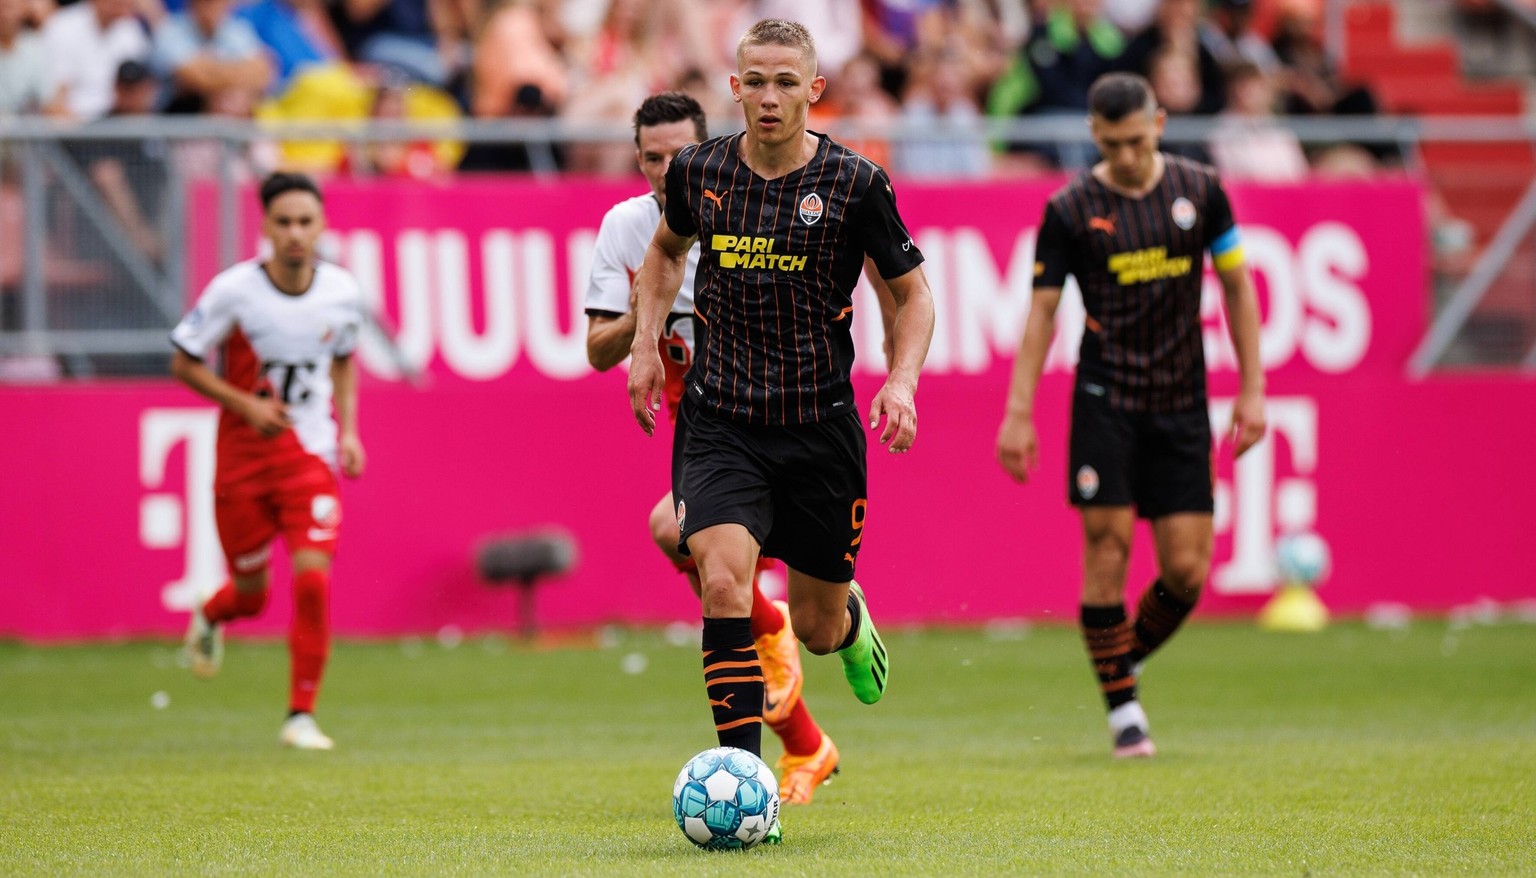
{"points": [[86, 44], [210, 58], [130, 173], [23, 64]]}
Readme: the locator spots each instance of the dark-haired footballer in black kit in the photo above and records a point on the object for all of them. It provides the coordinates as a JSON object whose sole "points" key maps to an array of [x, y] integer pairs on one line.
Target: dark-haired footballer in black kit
{"points": [[769, 453], [1134, 231]]}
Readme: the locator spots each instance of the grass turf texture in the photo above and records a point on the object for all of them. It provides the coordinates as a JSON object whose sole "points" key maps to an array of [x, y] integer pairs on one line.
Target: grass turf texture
{"points": [[1349, 752]]}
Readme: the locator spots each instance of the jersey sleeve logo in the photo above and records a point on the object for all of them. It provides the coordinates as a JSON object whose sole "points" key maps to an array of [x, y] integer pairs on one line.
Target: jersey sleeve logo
{"points": [[811, 209], [1184, 213]]}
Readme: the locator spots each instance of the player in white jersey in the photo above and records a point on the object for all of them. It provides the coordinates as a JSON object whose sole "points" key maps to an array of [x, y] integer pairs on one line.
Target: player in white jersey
{"points": [[664, 124], [286, 327]]}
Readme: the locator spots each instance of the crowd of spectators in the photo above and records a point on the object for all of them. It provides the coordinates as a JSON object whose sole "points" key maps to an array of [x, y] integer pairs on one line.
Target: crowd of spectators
{"points": [[933, 70]]}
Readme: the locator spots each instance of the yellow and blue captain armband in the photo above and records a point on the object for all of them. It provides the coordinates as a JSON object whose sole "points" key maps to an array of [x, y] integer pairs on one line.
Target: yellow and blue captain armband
{"points": [[1227, 250]]}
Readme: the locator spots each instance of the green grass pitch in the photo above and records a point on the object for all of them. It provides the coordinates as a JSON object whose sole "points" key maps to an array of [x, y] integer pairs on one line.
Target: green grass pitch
{"points": [[1353, 751]]}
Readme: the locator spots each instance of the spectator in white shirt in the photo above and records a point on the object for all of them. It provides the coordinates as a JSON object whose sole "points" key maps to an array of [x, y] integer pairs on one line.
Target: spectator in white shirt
{"points": [[86, 44], [23, 64]]}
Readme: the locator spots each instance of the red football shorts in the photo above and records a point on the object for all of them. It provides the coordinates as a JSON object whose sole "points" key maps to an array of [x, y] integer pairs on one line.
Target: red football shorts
{"points": [[299, 500]]}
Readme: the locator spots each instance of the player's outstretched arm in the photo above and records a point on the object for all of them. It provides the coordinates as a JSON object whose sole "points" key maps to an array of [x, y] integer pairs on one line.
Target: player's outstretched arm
{"points": [[1016, 440], [1242, 302], [656, 286], [349, 445], [266, 415], [911, 332]]}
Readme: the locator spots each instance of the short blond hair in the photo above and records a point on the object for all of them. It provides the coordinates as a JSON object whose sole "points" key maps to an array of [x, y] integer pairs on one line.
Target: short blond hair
{"points": [[778, 32]]}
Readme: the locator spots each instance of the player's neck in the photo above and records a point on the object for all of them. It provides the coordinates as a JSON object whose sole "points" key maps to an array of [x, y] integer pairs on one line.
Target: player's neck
{"points": [[1153, 177], [290, 281], [772, 161]]}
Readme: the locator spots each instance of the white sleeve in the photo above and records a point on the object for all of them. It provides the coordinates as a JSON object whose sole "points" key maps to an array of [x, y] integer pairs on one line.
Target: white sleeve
{"points": [[614, 264], [347, 336], [208, 323]]}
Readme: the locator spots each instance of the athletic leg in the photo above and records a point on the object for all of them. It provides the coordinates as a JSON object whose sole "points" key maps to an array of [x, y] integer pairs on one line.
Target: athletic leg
{"points": [[733, 675], [1184, 544], [1107, 634]]}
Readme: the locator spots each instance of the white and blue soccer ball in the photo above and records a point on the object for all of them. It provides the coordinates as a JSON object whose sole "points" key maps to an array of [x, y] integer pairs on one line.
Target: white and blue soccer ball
{"points": [[1302, 558], [725, 799]]}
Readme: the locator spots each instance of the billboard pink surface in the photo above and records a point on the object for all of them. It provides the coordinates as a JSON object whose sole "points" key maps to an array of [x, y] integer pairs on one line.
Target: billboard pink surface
{"points": [[108, 523]]}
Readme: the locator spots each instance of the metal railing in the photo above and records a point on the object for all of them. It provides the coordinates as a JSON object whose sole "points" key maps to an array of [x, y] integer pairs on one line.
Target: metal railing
{"points": [[75, 286]]}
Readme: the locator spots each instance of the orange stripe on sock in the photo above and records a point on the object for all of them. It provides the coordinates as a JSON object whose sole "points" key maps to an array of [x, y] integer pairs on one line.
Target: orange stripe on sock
{"points": [[723, 665], [740, 722], [1117, 685], [710, 684]]}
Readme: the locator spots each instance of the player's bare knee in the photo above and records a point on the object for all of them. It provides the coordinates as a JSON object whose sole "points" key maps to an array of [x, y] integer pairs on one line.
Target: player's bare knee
{"points": [[664, 530], [1186, 575], [1106, 559], [820, 638]]}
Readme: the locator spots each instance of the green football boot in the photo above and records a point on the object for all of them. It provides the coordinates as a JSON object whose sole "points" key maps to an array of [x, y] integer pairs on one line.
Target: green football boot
{"points": [[865, 663]]}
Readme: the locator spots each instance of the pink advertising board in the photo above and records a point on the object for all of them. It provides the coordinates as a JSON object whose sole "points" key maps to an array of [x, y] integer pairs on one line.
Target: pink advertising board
{"points": [[1416, 485]]}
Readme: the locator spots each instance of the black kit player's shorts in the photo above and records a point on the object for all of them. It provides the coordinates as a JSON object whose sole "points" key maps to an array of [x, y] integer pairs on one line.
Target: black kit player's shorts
{"points": [[800, 490], [1160, 463]]}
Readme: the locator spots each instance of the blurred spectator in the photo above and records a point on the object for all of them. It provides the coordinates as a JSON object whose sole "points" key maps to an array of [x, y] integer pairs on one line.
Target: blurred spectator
{"points": [[1070, 48], [642, 48], [518, 73], [894, 30], [856, 110], [1067, 51], [416, 37], [1311, 85], [130, 174], [297, 33], [210, 60], [1175, 79], [1231, 38], [23, 64], [1250, 143], [517, 69], [398, 99], [941, 105], [713, 94], [1177, 28], [87, 43]]}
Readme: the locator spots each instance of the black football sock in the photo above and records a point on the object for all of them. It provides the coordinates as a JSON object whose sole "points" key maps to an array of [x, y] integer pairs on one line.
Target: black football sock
{"points": [[733, 679], [1107, 634]]}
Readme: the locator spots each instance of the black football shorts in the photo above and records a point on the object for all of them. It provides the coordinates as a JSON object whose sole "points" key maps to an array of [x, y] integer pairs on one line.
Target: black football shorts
{"points": [[1159, 463], [800, 490]]}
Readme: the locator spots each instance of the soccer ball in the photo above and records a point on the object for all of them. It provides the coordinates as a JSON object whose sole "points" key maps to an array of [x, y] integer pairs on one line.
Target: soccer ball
{"points": [[725, 799], [1302, 558]]}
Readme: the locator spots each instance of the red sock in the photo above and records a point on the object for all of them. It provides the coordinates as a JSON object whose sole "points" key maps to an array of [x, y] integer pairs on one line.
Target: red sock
{"points": [[799, 732], [229, 603], [309, 638], [766, 618]]}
